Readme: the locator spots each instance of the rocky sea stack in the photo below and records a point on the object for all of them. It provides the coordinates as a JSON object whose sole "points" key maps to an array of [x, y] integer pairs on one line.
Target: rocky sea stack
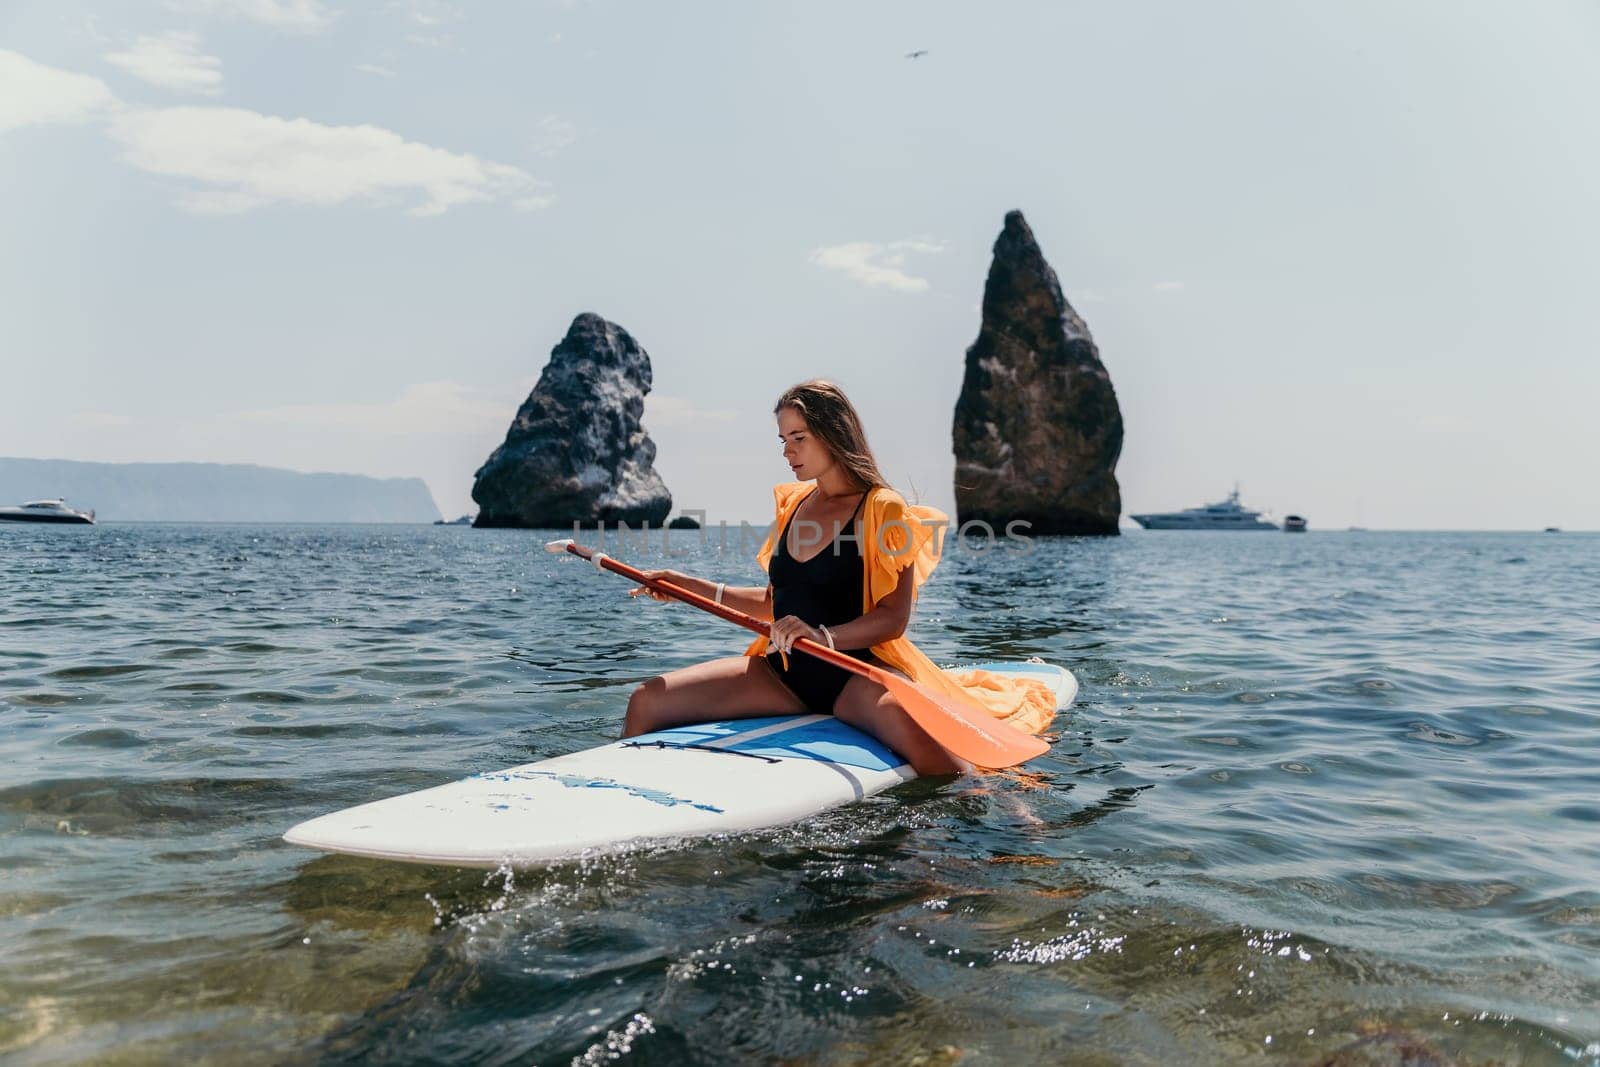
{"points": [[1037, 428], [576, 452]]}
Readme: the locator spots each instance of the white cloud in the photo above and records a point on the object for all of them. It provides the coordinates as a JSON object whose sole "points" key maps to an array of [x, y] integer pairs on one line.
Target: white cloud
{"points": [[878, 264], [551, 134], [1168, 287], [428, 20], [430, 13], [171, 61], [33, 94], [373, 68], [299, 16], [661, 410], [242, 160], [426, 408]]}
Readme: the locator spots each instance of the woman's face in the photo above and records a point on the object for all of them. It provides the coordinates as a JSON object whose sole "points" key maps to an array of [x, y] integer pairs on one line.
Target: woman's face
{"points": [[807, 457]]}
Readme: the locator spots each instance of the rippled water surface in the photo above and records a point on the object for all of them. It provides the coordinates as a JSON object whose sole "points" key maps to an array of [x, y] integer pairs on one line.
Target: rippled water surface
{"points": [[1330, 798]]}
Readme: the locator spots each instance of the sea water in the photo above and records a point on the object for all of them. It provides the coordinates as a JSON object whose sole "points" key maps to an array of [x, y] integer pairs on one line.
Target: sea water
{"points": [[1332, 795]]}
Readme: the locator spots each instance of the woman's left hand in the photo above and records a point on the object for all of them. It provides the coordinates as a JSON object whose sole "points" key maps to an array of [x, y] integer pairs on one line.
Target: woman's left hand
{"points": [[789, 629]]}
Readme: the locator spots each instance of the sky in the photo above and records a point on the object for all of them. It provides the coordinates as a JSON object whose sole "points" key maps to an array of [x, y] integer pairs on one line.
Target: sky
{"points": [[1343, 255]]}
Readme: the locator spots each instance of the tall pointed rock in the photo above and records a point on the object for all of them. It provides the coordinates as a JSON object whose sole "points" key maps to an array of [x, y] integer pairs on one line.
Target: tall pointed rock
{"points": [[1037, 428], [576, 452]]}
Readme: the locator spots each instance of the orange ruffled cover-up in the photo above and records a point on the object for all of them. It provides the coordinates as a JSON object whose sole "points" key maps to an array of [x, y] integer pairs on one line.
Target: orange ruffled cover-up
{"points": [[896, 535]]}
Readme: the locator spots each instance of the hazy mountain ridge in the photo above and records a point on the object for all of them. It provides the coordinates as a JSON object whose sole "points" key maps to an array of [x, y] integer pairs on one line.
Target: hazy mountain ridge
{"points": [[215, 492]]}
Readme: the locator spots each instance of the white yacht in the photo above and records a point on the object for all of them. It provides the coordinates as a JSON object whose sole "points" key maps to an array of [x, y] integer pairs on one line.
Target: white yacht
{"points": [[45, 511], [1228, 514]]}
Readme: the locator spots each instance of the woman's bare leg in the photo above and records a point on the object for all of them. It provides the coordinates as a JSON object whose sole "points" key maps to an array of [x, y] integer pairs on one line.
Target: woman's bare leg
{"points": [[736, 687], [868, 707]]}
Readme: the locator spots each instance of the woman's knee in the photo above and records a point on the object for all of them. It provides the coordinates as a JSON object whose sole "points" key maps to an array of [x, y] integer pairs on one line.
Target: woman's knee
{"points": [[644, 706]]}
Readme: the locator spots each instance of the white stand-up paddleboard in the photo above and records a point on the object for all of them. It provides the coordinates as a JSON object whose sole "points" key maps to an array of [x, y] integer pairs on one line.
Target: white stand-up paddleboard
{"points": [[691, 781]]}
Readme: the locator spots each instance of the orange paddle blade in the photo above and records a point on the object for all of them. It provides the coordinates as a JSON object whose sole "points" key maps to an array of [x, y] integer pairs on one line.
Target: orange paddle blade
{"points": [[968, 732]]}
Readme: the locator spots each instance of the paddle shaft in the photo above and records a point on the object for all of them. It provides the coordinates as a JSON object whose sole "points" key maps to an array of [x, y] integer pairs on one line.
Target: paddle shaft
{"points": [[733, 615]]}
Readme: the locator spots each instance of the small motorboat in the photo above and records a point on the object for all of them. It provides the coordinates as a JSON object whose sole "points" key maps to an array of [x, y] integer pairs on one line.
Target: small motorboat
{"points": [[1294, 524], [46, 511]]}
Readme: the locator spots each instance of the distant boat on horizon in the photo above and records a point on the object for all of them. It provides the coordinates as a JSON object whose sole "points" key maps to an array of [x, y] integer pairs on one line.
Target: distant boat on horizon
{"points": [[1227, 514], [1294, 524], [47, 511]]}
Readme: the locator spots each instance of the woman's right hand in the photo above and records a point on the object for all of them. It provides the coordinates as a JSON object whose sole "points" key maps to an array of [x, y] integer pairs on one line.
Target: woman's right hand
{"points": [[673, 577]]}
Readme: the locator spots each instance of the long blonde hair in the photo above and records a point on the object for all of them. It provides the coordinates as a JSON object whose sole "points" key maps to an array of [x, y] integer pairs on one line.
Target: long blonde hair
{"points": [[833, 420]]}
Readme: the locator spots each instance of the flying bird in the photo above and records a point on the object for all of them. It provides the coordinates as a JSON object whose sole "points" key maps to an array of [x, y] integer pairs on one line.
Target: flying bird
{"points": [[918, 54]]}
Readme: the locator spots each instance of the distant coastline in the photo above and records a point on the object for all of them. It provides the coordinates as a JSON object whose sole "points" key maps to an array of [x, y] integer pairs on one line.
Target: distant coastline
{"points": [[216, 492]]}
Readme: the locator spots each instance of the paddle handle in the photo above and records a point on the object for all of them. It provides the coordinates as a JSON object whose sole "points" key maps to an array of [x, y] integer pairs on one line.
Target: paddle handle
{"points": [[723, 611]]}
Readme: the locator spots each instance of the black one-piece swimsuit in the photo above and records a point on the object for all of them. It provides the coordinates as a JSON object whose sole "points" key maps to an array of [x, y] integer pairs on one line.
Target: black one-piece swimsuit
{"points": [[825, 590]]}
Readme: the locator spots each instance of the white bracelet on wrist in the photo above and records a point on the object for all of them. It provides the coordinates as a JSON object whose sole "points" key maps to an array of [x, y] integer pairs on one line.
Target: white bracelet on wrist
{"points": [[828, 634], [720, 587]]}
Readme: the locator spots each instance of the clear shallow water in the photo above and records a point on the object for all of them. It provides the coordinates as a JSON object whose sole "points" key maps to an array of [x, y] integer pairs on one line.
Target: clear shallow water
{"points": [[1339, 791]]}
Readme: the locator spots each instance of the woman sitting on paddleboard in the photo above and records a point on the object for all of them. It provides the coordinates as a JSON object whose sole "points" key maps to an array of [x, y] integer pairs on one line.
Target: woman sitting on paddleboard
{"points": [[844, 563]]}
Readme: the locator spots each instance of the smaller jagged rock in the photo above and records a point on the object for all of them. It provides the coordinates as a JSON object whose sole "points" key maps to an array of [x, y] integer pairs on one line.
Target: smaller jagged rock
{"points": [[1037, 427], [683, 522], [577, 452]]}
